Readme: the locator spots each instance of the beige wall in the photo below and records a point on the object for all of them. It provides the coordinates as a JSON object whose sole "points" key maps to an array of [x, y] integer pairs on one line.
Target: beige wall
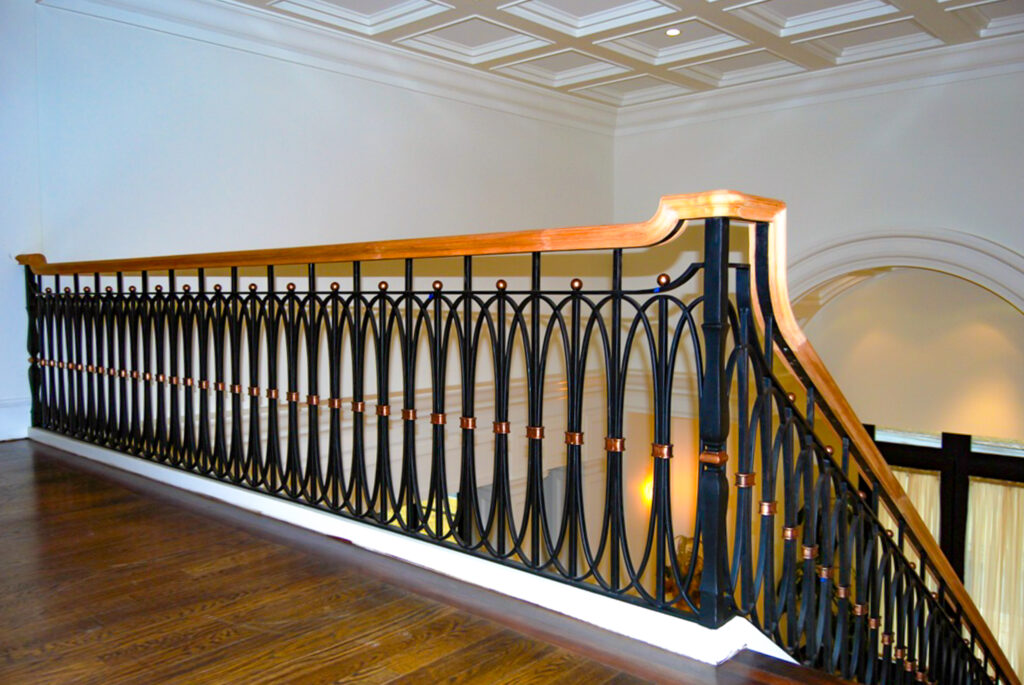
{"points": [[923, 351]]}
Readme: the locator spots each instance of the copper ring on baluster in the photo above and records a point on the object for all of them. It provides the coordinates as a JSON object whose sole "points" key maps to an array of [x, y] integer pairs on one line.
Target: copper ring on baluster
{"points": [[383, 410], [409, 414], [573, 438], [272, 393], [714, 458], [535, 432], [789, 533], [334, 403], [661, 451], [467, 422], [502, 428], [810, 551], [614, 444], [358, 407], [746, 480], [312, 400], [768, 508], [438, 418]]}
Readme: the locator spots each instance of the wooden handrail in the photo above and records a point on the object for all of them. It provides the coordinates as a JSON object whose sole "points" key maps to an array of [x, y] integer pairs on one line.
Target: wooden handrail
{"points": [[672, 211], [871, 458]]}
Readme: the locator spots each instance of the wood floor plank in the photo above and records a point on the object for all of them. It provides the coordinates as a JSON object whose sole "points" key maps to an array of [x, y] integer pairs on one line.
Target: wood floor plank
{"points": [[109, 580]]}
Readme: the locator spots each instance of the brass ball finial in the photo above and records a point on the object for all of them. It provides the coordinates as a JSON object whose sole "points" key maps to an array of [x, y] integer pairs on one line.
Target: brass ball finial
{"points": [[663, 280], [438, 285], [216, 288], [291, 287], [87, 290], [50, 290], [131, 288], [382, 286], [576, 284], [501, 284], [67, 289], [159, 288], [187, 288], [252, 287], [335, 286], [109, 289]]}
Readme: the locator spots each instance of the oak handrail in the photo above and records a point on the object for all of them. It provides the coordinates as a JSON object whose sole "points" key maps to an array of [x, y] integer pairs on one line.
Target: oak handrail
{"points": [[673, 211]]}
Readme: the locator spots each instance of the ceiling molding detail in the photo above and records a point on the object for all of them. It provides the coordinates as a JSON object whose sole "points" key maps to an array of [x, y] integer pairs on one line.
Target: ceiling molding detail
{"points": [[242, 27], [994, 267], [595, 89], [903, 72]]}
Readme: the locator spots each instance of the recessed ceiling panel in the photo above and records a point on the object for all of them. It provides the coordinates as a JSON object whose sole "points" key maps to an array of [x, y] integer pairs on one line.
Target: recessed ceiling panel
{"points": [[562, 69], [363, 16], [794, 17], [473, 40], [674, 42], [746, 68], [584, 17], [874, 41], [633, 91], [995, 18]]}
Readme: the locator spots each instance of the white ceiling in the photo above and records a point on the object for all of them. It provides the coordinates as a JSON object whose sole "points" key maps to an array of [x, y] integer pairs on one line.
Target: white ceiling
{"points": [[620, 53]]}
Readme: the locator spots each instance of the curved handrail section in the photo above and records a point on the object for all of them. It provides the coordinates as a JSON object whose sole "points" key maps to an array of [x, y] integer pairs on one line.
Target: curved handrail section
{"points": [[672, 211], [805, 364], [768, 291]]}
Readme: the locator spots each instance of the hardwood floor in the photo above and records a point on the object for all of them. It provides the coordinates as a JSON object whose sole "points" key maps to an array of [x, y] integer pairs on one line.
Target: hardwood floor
{"points": [[107, 578]]}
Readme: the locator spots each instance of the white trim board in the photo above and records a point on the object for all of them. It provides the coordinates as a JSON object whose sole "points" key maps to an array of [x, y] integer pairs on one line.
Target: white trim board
{"points": [[14, 417], [661, 630]]}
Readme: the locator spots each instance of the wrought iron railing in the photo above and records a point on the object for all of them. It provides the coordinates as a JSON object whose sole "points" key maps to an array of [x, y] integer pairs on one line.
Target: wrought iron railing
{"points": [[459, 414]]}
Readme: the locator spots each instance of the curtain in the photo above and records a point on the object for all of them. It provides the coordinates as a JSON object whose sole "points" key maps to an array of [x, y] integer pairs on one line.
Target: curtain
{"points": [[923, 489], [994, 568]]}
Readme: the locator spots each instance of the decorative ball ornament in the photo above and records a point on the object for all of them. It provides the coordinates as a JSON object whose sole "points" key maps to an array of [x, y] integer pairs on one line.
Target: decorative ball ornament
{"points": [[290, 287], [187, 288], [159, 288], [335, 286], [438, 285], [131, 288], [501, 284], [663, 280], [67, 289], [382, 286], [252, 287], [216, 288], [576, 284]]}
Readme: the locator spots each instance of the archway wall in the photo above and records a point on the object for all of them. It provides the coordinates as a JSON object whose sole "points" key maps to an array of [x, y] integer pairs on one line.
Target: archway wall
{"points": [[924, 351]]}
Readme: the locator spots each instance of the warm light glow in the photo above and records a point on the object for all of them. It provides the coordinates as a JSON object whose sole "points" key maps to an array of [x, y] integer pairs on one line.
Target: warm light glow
{"points": [[647, 490], [672, 32]]}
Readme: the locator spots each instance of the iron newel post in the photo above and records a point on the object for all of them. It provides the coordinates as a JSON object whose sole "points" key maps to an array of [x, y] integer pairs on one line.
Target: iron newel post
{"points": [[712, 493]]}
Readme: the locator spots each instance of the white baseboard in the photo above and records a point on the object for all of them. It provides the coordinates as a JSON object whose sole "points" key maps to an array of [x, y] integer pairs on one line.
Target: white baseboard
{"points": [[14, 418], [661, 630]]}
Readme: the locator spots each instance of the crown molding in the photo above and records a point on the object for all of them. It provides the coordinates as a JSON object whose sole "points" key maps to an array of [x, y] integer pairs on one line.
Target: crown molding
{"points": [[938, 66], [243, 27]]}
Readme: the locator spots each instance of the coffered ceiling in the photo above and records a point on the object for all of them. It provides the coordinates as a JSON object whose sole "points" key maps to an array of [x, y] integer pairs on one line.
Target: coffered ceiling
{"points": [[630, 52]]}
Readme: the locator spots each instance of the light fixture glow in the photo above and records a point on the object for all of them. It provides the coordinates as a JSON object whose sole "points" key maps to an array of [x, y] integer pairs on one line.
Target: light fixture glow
{"points": [[647, 489], [673, 32]]}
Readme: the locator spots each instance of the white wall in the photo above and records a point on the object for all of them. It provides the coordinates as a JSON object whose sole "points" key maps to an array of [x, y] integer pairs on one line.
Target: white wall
{"points": [[948, 156], [19, 203], [940, 157], [150, 143]]}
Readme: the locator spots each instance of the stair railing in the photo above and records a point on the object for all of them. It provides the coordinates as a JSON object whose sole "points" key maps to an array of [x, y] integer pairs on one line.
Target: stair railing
{"points": [[171, 359]]}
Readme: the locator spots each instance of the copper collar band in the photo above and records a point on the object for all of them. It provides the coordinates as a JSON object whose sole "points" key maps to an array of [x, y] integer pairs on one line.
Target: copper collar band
{"points": [[438, 419], [271, 393], [334, 403], [535, 432], [614, 444], [408, 414], [383, 410], [768, 508], [467, 422], [358, 407], [573, 438], [501, 428], [809, 552], [659, 451], [313, 400], [713, 458], [291, 396], [746, 480]]}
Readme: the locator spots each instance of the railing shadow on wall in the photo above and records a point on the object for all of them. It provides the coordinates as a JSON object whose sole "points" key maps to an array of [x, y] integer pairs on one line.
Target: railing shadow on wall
{"points": [[722, 480]]}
